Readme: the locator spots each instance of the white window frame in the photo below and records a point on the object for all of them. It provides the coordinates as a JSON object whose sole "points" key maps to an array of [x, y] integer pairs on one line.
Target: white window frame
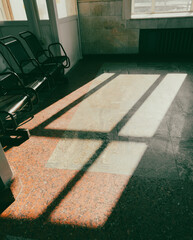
{"points": [[128, 12], [9, 11]]}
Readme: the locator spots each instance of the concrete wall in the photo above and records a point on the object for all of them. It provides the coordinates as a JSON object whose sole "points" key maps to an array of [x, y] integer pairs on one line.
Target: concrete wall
{"points": [[69, 37], [104, 31]]}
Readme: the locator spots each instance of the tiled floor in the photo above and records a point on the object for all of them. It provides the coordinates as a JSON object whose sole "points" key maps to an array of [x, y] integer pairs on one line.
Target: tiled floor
{"points": [[110, 156]]}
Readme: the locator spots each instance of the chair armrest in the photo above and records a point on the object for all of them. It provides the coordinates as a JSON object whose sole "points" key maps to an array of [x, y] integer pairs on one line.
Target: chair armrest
{"points": [[55, 44]]}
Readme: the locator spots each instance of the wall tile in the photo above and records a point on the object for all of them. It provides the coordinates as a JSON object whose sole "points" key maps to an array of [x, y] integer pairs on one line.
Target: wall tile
{"points": [[104, 31], [98, 9], [148, 23], [116, 8], [84, 9]]}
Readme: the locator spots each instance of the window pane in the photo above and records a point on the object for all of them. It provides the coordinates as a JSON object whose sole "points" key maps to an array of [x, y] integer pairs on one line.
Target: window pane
{"points": [[66, 8], [12, 10], [142, 6], [61, 8], [18, 10], [172, 5], [42, 9]]}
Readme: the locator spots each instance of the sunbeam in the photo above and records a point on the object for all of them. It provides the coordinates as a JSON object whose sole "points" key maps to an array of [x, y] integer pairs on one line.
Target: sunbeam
{"points": [[104, 108], [146, 120]]}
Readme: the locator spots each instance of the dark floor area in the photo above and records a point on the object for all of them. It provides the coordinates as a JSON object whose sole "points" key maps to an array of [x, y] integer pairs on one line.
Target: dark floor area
{"points": [[65, 186]]}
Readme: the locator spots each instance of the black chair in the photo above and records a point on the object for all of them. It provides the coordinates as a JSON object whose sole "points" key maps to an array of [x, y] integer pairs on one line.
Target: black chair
{"points": [[32, 73], [12, 83], [11, 107], [13, 110], [45, 56], [14, 98]]}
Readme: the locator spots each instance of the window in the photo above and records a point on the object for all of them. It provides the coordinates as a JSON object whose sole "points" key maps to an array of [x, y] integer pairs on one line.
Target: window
{"points": [[66, 8], [12, 10], [161, 6], [42, 9]]}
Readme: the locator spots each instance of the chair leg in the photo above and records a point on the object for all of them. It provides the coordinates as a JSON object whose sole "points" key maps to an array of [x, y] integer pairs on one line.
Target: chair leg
{"points": [[63, 75]]}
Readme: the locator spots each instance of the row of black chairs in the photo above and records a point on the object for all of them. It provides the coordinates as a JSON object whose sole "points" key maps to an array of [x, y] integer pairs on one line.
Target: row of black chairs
{"points": [[22, 77]]}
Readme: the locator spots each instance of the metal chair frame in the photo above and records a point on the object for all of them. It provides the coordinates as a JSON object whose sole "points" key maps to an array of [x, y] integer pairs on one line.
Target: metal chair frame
{"points": [[12, 104], [20, 87], [22, 59], [35, 77], [48, 54]]}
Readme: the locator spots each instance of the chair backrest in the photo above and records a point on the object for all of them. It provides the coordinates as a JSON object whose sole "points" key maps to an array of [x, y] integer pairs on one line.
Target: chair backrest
{"points": [[6, 80], [15, 48], [33, 43], [4, 64]]}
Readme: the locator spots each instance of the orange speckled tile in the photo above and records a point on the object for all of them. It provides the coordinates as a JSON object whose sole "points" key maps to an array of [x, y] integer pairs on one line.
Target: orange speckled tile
{"points": [[28, 161], [91, 200], [63, 204], [36, 188]]}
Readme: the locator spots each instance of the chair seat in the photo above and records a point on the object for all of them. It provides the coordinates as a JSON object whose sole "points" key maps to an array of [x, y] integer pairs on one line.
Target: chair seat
{"points": [[57, 59], [12, 103], [46, 70], [36, 85], [45, 56], [51, 69]]}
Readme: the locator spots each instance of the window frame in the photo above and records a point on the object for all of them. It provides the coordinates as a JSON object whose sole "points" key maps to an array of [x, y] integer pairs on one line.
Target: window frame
{"points": [[8, 13], [128, 12], [7, 10]]}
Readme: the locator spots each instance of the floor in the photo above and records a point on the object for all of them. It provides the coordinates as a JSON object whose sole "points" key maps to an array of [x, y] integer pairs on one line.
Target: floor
{"points": [[110, 156]]}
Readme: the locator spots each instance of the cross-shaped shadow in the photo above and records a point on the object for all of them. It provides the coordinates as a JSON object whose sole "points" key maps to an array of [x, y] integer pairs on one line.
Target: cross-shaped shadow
{"points": [[107, 138]]}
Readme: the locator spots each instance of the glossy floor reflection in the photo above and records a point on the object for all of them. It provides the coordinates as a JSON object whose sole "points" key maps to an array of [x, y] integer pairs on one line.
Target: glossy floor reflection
{"points": [[110, 156]]}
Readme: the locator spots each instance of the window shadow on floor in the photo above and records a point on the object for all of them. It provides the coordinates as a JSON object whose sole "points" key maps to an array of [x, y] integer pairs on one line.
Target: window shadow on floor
{"points": [[149, 208]]}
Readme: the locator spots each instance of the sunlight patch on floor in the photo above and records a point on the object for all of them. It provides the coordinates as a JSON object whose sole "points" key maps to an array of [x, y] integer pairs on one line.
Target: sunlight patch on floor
{"points": [[72, 153], [102, 110], [117, 158], [147, 119], [91, 201]]}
